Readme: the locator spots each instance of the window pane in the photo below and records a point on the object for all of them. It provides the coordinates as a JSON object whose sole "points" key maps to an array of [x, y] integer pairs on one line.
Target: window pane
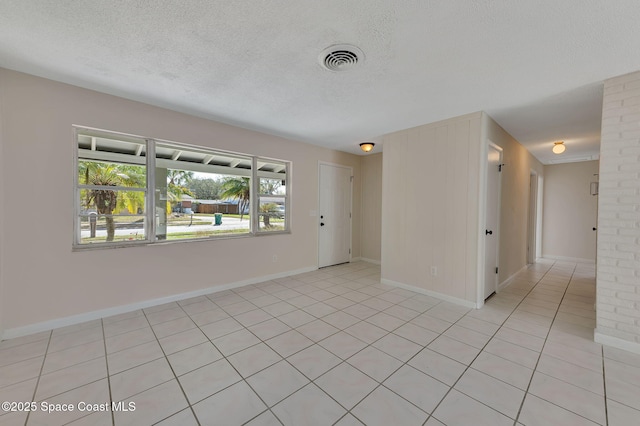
{"points": [[272, 214], [200, 204], [272, 186], [108, 216], [111, 174]]}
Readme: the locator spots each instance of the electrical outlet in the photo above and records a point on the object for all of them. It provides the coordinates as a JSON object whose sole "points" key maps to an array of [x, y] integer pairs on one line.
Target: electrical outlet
{"points": [[434, 271]]}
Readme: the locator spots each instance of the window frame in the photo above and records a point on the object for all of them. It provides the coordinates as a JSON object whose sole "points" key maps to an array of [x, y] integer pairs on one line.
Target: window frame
{"points": [[256, 190], [151, 163]]}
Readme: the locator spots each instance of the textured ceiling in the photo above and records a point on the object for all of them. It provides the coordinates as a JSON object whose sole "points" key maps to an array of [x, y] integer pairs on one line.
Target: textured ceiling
{"points": [[535, 66]]}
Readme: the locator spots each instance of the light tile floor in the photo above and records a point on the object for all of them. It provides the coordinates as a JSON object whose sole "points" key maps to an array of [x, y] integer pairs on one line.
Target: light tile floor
{"points": [[335, 347]]}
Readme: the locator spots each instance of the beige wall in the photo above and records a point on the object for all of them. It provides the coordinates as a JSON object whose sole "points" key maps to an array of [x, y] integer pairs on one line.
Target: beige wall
{"points": [[433, 210], [570, 211], [514, 209], [430, 207], [44, 280], [371, 172]]}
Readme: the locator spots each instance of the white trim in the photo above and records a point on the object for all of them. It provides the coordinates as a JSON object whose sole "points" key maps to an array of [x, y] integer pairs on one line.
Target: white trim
{"points": [[569, 259], [446, 298], [507, 282], [482, 219], [482, 215], [616, 342], [103, 313]]}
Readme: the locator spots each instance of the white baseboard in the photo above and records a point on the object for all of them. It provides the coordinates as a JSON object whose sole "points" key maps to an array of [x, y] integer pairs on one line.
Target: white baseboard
{"points": [[616, 342], [426, 292], [569, 259], [506, 282], [116, 310]]}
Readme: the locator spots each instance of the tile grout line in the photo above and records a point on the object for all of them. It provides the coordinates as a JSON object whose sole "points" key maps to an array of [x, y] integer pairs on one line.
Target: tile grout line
{"points": [[243, 379], [285, 359], [312, 381], [604, 387], [106, 361], [348, 411], [343, 361], [543, 346], [172, 371], [403, 363], [482, 349], [35, 391], [379, 384]]}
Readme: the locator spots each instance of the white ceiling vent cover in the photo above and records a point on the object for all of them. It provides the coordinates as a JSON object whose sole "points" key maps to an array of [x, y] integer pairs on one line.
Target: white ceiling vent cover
{"points": [[340, 57]]}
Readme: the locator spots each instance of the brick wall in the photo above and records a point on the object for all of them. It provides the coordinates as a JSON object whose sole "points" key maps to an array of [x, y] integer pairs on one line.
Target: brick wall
{"points": [[618, 276]]}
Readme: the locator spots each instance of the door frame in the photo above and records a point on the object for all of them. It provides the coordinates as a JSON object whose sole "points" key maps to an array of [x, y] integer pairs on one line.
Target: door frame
{"points": [[482, 219], [317, 213], [534, 218]]}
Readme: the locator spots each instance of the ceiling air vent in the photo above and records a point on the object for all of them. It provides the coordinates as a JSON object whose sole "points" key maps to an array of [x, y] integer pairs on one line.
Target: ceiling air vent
{"points": [[340, 57]]}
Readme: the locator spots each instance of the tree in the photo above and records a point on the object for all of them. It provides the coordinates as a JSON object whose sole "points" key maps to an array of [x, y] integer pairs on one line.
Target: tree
{"points": [[105, 200], [237, 188], [177, 182], [270, 186], [267, 210], [206, 189]]}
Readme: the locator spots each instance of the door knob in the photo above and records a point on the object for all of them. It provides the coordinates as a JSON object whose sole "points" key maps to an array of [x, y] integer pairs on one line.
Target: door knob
{"points": [[487, 232], [595, 229], [321, 223]]}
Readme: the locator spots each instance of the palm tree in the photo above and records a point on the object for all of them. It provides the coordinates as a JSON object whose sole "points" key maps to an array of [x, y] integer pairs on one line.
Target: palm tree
{"points": [[237, 188], [105, 200], [267, 210], [177, 182]]}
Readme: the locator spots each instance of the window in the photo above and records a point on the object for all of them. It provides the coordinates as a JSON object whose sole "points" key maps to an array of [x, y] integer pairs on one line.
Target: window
{"points": [[133, 190], [272, 195]]}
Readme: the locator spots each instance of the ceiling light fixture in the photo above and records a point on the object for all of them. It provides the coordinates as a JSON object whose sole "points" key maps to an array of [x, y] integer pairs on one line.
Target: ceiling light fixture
{"points": [[558, 147], [367, 146]]}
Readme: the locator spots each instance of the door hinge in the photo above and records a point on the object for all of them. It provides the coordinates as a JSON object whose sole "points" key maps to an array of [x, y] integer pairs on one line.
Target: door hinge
{"points": [[500, 167], [349, 251], [350, 178], [496, 269]]}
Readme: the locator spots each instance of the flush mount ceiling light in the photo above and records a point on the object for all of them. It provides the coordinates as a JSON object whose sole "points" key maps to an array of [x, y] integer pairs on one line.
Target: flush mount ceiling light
{"points": [[340, 57], [367, 146], [558, 147]]}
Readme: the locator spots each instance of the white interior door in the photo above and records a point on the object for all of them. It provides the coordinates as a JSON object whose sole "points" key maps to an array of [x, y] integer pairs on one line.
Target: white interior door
{"points": [[334, 216], [491, 237]]}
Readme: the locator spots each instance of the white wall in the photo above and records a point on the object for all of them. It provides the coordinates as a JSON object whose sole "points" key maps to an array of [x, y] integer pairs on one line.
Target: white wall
{"points": [[514, 209], [430, 207], [618, 264], [44, 280], [570, 211], [371, 170]]}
